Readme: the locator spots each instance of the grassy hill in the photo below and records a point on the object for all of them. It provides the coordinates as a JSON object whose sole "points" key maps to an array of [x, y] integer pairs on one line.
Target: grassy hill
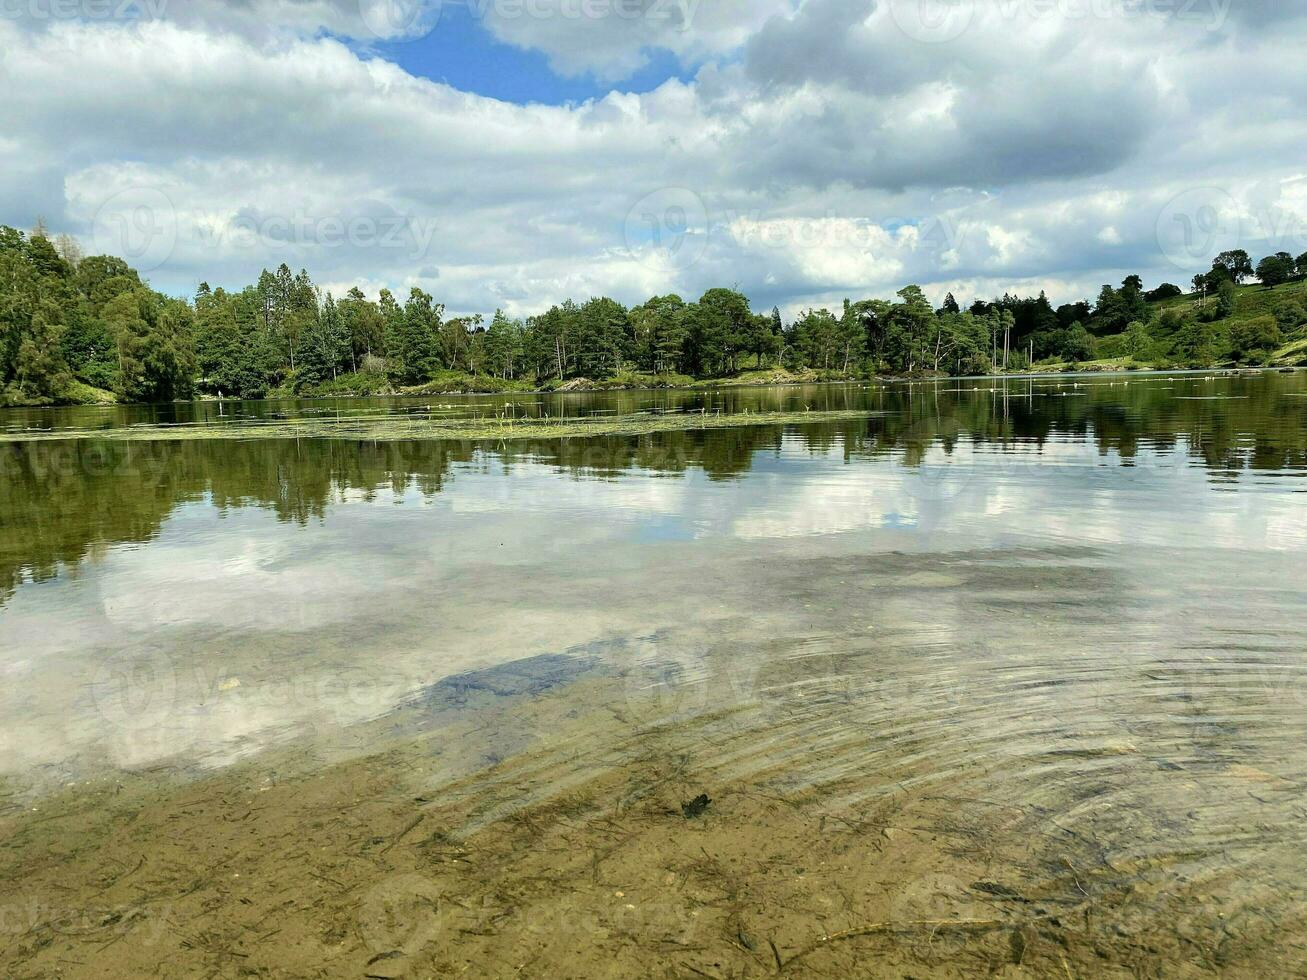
{"points": [[1251, 303]]}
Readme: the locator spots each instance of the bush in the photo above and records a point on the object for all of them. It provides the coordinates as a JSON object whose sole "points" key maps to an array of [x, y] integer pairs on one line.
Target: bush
{"points": [[1225, 300], [1018, 361], [357, 384], [1137, 342], [1078, 345], [1290, 315], [634, 379], [459, 383], [99, 374], [1110, 348], [1254, 341], [1194, 344]]}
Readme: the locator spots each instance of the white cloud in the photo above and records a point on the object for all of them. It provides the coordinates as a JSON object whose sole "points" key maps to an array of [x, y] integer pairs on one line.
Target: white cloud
{"points": [[829, 153], [612, 38]]}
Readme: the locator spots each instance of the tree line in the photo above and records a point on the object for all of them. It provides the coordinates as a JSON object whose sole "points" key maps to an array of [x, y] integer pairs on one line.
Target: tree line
{"points": [[67, 319]]}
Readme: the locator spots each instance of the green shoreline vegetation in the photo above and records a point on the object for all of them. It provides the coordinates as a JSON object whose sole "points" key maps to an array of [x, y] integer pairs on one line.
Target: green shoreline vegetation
{"points": [[77, 329]]}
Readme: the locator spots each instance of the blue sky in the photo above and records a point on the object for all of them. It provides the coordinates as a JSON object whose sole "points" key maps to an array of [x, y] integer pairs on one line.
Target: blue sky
{"points": [[462, 53]]}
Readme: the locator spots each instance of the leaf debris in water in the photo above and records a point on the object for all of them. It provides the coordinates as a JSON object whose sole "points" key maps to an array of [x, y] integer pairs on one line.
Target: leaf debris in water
{"points": [[696, 807]]}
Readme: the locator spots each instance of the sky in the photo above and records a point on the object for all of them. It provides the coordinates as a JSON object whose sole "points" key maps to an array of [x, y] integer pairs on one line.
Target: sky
{"points": [[509, 154]]}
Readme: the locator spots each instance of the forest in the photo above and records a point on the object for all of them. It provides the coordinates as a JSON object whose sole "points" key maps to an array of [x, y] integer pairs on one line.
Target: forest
{"points": [[78, 328]]}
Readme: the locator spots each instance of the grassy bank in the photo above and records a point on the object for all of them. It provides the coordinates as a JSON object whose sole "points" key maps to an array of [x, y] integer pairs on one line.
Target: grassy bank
{"points": [[393, 429], [462, 383], [77, 393]]}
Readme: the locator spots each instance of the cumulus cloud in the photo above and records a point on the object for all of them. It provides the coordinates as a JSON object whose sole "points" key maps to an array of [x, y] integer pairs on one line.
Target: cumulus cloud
{"points": [[820, 150], [613, 38]]}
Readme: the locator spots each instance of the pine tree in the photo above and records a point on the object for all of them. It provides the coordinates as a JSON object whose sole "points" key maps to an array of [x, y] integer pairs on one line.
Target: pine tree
{"points": [[40, 372]]}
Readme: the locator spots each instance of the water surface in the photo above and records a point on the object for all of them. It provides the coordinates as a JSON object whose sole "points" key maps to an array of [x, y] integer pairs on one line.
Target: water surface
{"points": [[1080, 600]]}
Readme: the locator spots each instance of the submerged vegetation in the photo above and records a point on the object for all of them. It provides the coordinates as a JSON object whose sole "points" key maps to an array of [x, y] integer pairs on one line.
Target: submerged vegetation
{"points": [[430, 425], [85, 329]]}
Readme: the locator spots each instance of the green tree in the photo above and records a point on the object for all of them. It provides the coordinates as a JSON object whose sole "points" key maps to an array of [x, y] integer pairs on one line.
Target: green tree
{"points": [[658, 333], [602, 337], [1235, 263], [156, 359], [911, 331], [503, 346], [230, 348], [326, 345], [1110, 313], [818, 336], [1275, 270], [1138, 341], [555, 333], [40, 372], [1166, 290], [364, 325], [761, 340], [413, 340], [718, 332], [851, 338], [1290, 314], [1078, 344]]}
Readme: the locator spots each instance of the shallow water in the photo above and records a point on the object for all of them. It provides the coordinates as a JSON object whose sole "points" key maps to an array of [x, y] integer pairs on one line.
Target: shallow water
{"points": [[289, 566], [1076, 603]]}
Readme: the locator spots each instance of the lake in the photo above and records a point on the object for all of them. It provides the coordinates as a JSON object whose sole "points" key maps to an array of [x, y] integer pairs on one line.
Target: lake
{"points": [[1008, 676]]}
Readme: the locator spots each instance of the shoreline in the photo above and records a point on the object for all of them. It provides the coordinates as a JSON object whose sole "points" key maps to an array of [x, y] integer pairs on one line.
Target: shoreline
{"points": [[704, 385], [434, 423]]}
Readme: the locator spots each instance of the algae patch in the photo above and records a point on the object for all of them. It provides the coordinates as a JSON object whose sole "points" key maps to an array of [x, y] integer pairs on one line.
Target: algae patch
{"points": [[429, 426]]}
